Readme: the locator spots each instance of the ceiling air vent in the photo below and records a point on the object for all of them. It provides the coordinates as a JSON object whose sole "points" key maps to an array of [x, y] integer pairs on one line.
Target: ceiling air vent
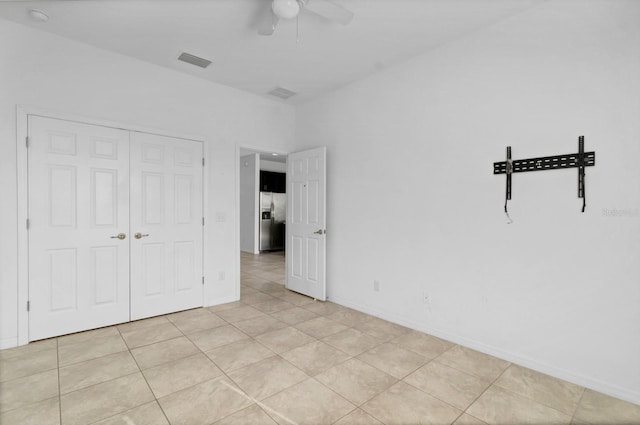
{"points": [[194, 60], [282, 93]]}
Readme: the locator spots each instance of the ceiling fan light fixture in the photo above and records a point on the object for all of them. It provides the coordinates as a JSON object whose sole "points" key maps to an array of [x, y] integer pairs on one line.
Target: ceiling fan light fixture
{"points": [[285, 9]]}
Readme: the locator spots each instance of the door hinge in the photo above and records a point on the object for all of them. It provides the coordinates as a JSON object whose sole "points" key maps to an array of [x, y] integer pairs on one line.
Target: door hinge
{"points": [[203, 280], [203, 162], [27, 142], [28, 305], [203, 221], [28, 224]]}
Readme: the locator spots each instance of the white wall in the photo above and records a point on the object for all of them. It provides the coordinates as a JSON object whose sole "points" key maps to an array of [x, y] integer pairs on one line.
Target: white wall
{"points": [[412, 201], [278, 167], [249, 180], [60, 75]]}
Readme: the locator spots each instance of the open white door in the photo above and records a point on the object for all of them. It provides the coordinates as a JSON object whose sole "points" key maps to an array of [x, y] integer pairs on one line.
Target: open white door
{"points": [[306, 222]]}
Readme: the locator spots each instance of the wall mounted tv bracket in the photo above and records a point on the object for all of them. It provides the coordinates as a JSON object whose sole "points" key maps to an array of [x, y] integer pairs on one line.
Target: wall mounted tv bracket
{"points": [[574, 160]]}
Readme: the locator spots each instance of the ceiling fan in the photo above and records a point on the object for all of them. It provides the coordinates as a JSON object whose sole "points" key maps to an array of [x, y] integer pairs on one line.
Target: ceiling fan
{"points": [[289, 9]]}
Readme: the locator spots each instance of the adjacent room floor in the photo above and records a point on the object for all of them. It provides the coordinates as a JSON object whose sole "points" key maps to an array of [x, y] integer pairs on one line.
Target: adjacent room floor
{"points": [[279, 357]]}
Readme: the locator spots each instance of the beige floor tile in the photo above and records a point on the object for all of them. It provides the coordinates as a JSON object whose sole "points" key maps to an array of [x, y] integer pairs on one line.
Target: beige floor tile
{"points": [[223, 307], [46, 412], [239, 354], [450, 385], [465, 419], [597, 408], [180, 374], [349, 317], [204, 403], [31, 389], [216, 337], [150, 335], [294, 298], [32, 347], [284, 339], [426, 345], [95, 371], [142, 323], [163, 352], [252, 415], [267, 377], [196, 320], [352, 341], [474, 362], [259, 325], [147, 414], [308, 402], [239, 314], [256, 297], [552, 392], [381, 329], [28, 363], [392, 359], [358, 417], [273, 306], [320, 327], [315, 357], [87, 335], [356, 381], [323, 308], [404, 404], [497, 406], [87, 350], [293, 316], [103, 400]]}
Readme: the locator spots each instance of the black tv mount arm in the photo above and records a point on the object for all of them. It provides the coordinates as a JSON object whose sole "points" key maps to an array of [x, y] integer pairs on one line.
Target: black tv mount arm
{"points": [[578, 160]]}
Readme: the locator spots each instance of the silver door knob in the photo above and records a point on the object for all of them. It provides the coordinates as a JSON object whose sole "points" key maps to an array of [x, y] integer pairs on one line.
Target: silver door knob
{"points": [[120, 236], [140, 235], [318, 232]]}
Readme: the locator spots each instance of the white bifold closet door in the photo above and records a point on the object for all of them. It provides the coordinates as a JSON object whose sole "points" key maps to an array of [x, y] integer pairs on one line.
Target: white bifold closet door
{"points": [[91, 189], [166, 225]]}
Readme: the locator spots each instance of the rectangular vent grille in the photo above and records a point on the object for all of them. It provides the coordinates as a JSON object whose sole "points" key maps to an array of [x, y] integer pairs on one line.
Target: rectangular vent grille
{"points": [[282, 93], [194, 60]]}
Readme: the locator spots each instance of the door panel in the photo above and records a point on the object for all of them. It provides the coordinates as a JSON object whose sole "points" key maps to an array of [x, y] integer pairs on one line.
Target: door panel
{"points": [[166, 207], [306, 223], [78, 200]]}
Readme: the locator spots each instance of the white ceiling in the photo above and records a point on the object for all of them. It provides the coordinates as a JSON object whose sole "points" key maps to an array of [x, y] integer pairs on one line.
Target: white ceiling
{"points": [[326, 56]]}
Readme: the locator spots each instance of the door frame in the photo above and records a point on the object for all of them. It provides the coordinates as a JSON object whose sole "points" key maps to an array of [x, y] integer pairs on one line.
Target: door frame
{"points": [[22, 177]]}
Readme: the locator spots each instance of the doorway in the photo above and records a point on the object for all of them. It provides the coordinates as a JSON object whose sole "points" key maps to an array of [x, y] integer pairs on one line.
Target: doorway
{"points": [[262, 218]]}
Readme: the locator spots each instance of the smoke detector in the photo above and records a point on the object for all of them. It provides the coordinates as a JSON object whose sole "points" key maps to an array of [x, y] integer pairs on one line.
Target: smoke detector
{"points": [[38, 15]]}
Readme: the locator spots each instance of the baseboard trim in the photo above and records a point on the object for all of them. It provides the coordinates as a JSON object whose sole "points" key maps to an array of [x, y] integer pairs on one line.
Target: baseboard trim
{"points": [[584, 381], [8, 343]]}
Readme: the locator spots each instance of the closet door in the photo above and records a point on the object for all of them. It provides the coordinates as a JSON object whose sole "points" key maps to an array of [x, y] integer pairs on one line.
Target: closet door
{"points": [[166, 225], [78, 205]]}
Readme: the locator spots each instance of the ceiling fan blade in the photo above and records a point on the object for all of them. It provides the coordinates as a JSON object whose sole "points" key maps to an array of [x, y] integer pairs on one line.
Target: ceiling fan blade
{"points": [[268, 23], [329, 10]]}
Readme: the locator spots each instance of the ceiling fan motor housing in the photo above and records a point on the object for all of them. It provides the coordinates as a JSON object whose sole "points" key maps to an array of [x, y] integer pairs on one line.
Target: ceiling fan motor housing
{"points": [[285, 9]]}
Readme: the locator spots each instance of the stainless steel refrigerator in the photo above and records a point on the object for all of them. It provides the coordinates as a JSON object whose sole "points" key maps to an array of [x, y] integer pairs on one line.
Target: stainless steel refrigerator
{"points": [[273, 213]]}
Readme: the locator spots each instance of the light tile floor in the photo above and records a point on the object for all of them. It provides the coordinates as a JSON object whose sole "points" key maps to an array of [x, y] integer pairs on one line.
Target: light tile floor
{"points": [[277, 357]]}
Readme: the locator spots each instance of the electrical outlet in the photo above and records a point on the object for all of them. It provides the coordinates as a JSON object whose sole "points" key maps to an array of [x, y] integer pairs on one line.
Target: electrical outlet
{"points": [[376, 286], [221, 217], [426, 298]]}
